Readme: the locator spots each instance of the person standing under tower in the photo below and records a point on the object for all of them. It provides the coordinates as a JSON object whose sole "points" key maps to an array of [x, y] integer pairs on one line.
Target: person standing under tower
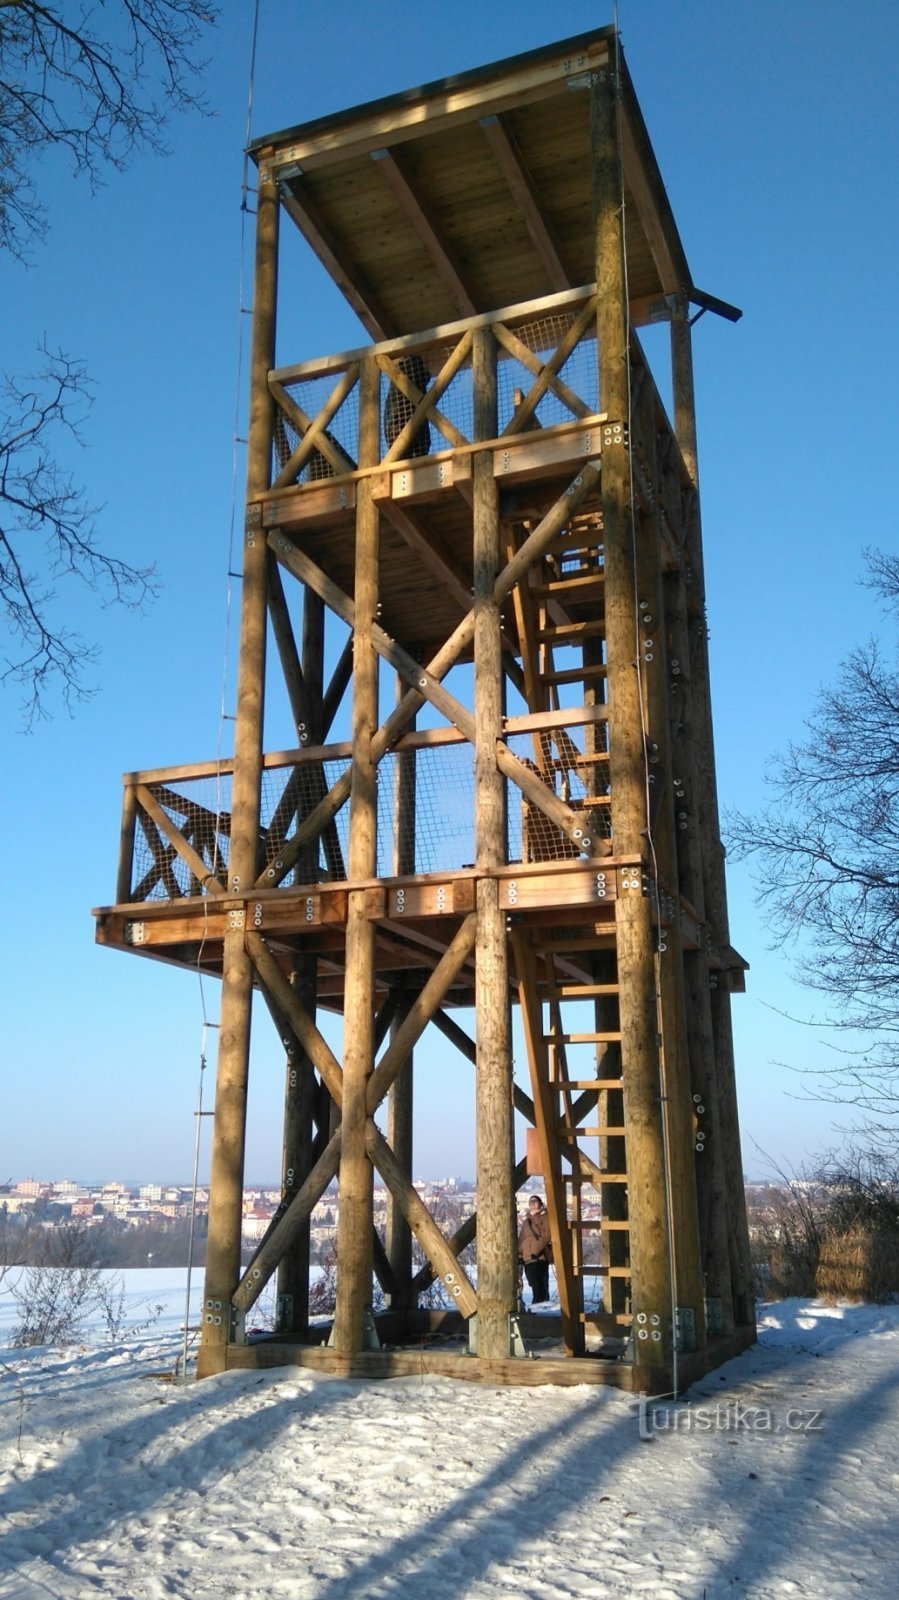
{"points": [[535, 1249]]}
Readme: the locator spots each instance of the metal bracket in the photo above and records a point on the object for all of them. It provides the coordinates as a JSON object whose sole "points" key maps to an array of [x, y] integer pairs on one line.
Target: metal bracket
{"points": [[714, 1316], [517, 1346], [135, 932], [614, 433], [370, 1340], [685, 1328]]}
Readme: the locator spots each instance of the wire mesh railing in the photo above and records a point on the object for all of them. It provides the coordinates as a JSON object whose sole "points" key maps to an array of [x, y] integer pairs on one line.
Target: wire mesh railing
{"points": [[426, 813], [536, 368]]}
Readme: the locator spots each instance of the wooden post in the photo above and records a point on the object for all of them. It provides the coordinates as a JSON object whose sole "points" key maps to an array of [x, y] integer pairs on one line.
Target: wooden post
{"points": [[678, 1103], [356, 1215], [497, 1268], [300, 1087], [713, 880], [399, 1100], [635, 936], [229, 1131]]}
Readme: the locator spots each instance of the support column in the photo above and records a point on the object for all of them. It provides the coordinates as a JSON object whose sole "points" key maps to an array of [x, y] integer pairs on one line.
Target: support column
{"points": [[713, 879], [229, 1129], [677, 1087], [356, 1215], [635, 935], [300, 1088], [497, 1250], [400, 1098]]}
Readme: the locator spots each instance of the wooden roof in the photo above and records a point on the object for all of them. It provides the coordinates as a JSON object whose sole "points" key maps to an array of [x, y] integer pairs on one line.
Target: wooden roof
{"points": [[474, 192]]}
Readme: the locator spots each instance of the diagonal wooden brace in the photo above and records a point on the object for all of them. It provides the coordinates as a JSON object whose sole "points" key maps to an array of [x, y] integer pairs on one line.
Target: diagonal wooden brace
{"points": [[314, 433], [444, 378], [399, 719], [421, 1012], [200, 868], [283, 1234], [314, 1044], [419, 1219]]}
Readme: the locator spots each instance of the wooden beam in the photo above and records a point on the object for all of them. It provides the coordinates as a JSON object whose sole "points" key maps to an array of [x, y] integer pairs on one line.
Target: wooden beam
{"points": [[454, 361], [497, 1252], [546, 1118], [434, 554], [647, 1189], [414, 210], [340, 679], [267, 1257], [421, 1011], [289, 656], [229, 1128], [651, 221], [398, 378], [422, 1223], [446, 332], [387, 735], [278, 986], [347, 278], [356, 1216], [314, 434], [521, 185], [199, 868], [447, 105], [546, 372]]}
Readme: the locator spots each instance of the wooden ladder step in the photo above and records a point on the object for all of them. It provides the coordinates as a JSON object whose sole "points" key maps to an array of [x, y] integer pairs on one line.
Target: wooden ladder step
{"points": [[605, 1321], [574, 674], [578, 585], [596, 1130], [587, 1083], [582, 1038], [608, 1226], [592, 800], [612, 1177], [595, 1269], [570, 632], [567, 947], [581, 991]]}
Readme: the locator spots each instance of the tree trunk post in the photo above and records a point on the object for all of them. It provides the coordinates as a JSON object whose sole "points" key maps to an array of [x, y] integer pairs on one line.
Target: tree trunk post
{"points": [[356, 1216], [635, 935], [497, 1267], [229, 1129]]}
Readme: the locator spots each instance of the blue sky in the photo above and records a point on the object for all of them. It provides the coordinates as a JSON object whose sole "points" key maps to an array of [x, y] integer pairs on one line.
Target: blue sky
{"points": [[776, 131]]}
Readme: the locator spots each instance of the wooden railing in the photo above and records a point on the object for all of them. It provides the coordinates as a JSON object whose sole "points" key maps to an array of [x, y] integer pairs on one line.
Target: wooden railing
{"points": [[177, 822]]}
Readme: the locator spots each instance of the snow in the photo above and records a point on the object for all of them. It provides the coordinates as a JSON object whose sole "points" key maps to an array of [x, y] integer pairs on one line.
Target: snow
{"points": [[775, 1479]]}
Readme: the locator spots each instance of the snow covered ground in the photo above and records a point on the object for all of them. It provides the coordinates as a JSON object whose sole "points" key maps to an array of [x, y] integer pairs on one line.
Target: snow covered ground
{"points": [[778, 1476]]}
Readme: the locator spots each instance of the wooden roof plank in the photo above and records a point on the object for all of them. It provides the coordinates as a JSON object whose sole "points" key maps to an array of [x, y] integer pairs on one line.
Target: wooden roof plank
{"points": [[503, 144], [416, 211]]}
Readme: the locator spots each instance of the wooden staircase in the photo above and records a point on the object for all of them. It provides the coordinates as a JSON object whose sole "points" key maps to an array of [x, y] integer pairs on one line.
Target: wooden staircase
{"points": [[567, 979]]}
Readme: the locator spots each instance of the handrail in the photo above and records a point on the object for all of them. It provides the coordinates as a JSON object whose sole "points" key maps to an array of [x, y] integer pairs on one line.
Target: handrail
{"points": [[523, 311]]}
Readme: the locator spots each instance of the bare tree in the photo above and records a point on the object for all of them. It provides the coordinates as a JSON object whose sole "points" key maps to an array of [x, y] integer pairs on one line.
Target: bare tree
{"points": [[827, 849], [98, 94], [97, 83], [47, 532]]}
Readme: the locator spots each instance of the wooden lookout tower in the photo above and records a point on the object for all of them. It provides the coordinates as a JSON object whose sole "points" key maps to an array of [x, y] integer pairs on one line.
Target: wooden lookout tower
{"points": [[473, 551]]}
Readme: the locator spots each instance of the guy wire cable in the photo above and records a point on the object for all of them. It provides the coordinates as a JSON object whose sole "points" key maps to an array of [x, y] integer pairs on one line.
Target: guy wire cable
{"points": [[223, 716], [641, 693]]}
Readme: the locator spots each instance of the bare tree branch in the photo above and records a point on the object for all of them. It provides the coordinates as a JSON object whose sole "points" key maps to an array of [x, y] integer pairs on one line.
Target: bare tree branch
{"points": [[99, 82], [98, 96], [827, 856]]}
